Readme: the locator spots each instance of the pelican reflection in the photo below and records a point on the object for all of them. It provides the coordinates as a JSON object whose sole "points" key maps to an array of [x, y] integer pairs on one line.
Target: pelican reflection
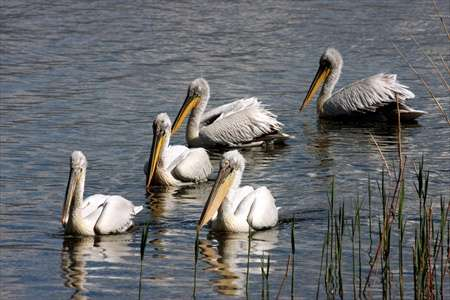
{"points": [[226, 255], [81, 256]]}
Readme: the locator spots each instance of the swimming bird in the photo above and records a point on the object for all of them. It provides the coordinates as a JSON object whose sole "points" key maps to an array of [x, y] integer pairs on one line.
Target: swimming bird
{"points": [[237, 209], [97, 214], [242, 123], [374, 96], [174, 165]]}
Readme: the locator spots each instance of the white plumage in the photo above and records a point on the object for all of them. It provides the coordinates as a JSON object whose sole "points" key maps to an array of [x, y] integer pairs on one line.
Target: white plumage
{"points": [[97, 214], [174, 165], [238, 209], [244, 122], [373, 96]]}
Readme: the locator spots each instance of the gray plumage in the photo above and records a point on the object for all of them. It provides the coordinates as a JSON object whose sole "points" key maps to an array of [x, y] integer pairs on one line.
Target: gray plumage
{"points": [[244, 122], [375, 95]]}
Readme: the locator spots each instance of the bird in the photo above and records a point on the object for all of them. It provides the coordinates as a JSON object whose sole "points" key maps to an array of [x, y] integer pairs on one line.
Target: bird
{"points": [[242, 123], [232, 208], [174, 165], [98, 214], [375, 96]]}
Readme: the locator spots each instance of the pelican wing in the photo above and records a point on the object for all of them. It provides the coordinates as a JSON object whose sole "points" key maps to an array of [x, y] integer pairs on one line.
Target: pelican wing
{"points": [[367, 95], [226, 109], [258, 207], [93, 205], [239, 124], [174, 155], [194, 166], [263, 213], [116, 216], [239, 196], [241, 208]]}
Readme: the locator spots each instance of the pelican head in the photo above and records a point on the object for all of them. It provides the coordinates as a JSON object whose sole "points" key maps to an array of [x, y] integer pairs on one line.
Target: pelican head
{"points": [[232, 163], [161, 135], [330, 60], [78, 165], [198, 92]]}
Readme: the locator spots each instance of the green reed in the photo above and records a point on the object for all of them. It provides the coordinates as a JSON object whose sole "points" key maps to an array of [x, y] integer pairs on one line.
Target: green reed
{"points": [[356, 238], [430, 250], [249, 245], [194, 289], [284, 278], [333, 279], [428, 246], [401, 223], [144, 237], [265, 271], [293, 255]]}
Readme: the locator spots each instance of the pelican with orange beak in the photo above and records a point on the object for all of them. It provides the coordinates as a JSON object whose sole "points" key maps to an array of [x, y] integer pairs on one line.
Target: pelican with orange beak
{"points": [[242, 123], [174, 165], [232, 208], [375, 96], [97, 214]]}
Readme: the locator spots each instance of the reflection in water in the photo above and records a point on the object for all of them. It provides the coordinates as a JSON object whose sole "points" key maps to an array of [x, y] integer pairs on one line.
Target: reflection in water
{"points": [[346, 151], [229, 258], [336, 139], [170, 202], [172, 205], [79, 255]]}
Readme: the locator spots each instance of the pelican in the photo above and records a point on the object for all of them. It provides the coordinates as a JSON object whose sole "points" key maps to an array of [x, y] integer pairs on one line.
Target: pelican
{"points": [[237, 209], [242, 123], [374, 96], [174, 165], [97, 214]]}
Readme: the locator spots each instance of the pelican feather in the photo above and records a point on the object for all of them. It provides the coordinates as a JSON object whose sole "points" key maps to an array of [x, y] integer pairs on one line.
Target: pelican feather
{"points": [[376, 95]]}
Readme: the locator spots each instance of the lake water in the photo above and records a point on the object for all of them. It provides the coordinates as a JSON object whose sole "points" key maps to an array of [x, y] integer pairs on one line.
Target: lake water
{"points": [[92, 75]]}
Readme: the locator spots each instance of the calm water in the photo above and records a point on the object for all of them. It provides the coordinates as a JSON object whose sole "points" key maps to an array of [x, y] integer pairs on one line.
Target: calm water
{"points": [[92, 75]]}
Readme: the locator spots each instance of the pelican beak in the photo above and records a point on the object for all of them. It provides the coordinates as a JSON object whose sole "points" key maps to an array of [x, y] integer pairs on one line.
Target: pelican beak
{"points": [[322, 73], [189, 104], [217, 196], [158, 142], [71, 185]]}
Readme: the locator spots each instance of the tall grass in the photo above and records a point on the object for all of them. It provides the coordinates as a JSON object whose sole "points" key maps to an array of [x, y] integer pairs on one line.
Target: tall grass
{"points": [[144, 237], [429, 252]]}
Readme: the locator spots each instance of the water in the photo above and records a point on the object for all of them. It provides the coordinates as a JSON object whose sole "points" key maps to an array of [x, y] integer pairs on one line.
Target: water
{"points": [[91, 76]]}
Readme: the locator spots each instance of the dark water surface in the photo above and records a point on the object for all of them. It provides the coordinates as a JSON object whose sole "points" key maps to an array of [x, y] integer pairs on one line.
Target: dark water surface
{"points": [[92, 75]]}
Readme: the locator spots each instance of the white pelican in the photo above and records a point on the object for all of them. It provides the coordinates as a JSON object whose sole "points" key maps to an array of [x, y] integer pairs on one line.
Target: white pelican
{"points": [[174, 165], [97, 214], [242, 123], [374, 96], [237, 209]]}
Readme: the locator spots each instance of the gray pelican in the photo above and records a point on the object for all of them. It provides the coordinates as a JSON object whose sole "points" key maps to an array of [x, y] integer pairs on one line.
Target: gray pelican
{"points": [[237, 209], [374, 96], [97, 214], [174, 165], [242, 123]]}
